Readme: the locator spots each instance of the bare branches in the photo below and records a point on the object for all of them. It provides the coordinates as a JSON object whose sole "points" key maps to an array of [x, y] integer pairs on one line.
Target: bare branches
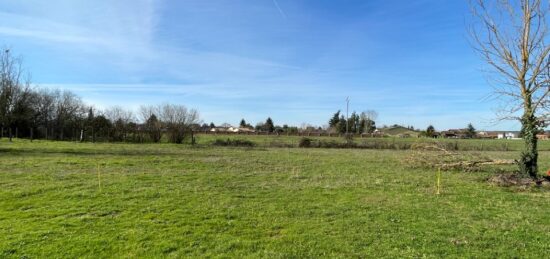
{"points": [[14, 89], [512, 38], [514, 44], [175, 119]]}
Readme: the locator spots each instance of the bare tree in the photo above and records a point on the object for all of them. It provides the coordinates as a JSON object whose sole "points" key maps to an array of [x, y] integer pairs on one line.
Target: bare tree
{"points": [[70, 113], [45, 109], [14, 94], [367, 121], [512, 37], [370, 115], [153, 126], [121, 120], [178, 121]]}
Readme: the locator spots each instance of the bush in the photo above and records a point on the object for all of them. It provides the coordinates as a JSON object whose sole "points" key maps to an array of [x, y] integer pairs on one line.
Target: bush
{"points": [[305, 142], [234, 143]]}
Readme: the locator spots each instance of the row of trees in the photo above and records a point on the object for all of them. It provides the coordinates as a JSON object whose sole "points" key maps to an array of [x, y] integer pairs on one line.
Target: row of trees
{"points": [[29, 112], [269, 126], [356, 123], [469, 131], [176, 120]]}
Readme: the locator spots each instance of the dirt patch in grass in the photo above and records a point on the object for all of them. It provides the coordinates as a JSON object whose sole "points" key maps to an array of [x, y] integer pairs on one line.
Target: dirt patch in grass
{"points": [[516, 180]]}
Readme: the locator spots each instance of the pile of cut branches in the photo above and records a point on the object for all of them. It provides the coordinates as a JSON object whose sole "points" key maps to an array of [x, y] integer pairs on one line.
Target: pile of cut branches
{"points": [[438, 156]]}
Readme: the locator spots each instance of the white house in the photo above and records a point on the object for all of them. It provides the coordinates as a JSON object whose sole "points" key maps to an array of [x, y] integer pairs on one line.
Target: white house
{"points": [[507, 135], [231, 129]]}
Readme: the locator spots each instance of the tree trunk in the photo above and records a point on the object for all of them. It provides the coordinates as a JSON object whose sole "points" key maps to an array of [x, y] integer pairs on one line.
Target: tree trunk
{"points": [[529, 156]]}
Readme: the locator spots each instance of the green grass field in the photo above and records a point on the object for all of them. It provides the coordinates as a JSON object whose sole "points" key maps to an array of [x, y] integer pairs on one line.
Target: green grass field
{"points": [[462, 144], [63, 199]]}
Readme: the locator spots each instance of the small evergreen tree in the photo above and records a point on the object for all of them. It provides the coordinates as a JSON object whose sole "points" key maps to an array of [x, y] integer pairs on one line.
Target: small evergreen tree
{"points": [[342, 124], [333, 122], [153, 126], [353, 123], [269, 126], [430, 131], [470, 131]]}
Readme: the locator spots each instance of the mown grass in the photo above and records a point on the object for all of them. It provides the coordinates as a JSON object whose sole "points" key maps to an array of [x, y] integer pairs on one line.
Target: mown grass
{"points": [[162, 200]]}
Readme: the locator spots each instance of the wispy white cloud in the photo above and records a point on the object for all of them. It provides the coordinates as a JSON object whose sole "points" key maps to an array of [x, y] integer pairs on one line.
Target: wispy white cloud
{"points": [[123, 34], [276, 3], [237, 57]]}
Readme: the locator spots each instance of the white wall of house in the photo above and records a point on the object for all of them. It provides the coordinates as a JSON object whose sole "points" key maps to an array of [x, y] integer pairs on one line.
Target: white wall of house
{"points": [[507, 135]]}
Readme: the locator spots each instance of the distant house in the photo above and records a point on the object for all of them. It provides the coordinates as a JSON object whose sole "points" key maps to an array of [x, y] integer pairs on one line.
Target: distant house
{"points": [[454, 133], [507, 135], [219, 129], [241, 129], [543, 136], [498, 134], [231, 129], [487, 134]]}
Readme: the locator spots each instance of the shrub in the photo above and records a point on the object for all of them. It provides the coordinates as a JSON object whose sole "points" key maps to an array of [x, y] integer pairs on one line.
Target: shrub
{"points": [[233, 143], [305, 142]]}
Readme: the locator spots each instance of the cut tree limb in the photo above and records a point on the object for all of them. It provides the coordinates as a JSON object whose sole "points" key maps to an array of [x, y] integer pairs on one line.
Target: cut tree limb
{"points": [[478, 163]]}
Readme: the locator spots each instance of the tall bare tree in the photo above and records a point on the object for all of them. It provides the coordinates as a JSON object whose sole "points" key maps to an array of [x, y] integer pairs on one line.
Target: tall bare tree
{"points": [[367, 121], [70, 112], [121, 120], [178, 121], [14, 89], [512, 37], [44, 106]]}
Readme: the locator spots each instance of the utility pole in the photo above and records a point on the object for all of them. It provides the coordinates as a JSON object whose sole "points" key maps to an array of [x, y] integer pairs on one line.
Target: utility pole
{"points": [[347, 115]]}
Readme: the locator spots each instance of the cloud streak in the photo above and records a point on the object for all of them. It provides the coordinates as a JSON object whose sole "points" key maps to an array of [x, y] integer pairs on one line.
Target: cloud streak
{"points": [[238, 57], [279, 9]]}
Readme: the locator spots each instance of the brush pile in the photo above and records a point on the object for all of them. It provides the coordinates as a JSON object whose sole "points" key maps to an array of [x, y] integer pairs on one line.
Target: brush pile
{"points": [[439, 156]]}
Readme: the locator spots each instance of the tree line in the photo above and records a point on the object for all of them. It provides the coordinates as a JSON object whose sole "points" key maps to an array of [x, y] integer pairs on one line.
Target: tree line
{"points": [[39, 113], [356, 123]]}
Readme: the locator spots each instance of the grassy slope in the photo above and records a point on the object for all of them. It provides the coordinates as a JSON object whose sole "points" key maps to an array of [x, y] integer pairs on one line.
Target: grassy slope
{"points": [[168, 200]]}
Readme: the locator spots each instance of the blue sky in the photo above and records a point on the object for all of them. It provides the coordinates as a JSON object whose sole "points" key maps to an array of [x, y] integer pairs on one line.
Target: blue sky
{"points": [[293, 60]]}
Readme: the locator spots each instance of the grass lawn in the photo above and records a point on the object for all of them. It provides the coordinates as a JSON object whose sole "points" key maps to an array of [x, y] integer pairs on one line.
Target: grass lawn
{"points": [[461, 144], [63, 199]]}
